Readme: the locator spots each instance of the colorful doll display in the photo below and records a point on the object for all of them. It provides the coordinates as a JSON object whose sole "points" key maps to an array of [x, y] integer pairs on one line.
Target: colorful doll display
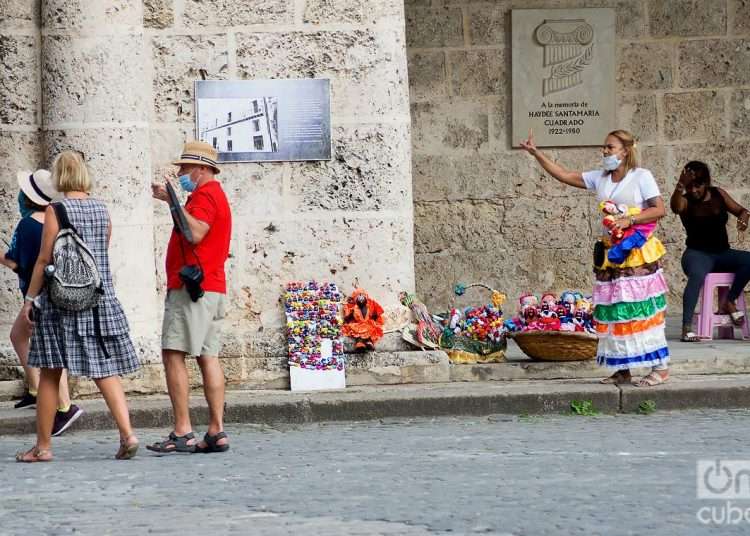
{"points": [[571, 313], [363, 320], [312, 315], [623, 242]]}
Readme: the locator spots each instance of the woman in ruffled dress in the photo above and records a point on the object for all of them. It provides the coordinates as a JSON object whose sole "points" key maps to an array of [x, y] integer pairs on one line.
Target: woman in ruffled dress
{"points": [[630, 294]]}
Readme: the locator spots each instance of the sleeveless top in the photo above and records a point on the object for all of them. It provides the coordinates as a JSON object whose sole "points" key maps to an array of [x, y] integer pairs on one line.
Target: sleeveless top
{"points": [[705, 223]]}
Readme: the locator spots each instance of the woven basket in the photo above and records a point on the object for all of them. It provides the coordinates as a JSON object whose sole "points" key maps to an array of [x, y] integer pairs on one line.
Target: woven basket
{"points": [[557, 345]]}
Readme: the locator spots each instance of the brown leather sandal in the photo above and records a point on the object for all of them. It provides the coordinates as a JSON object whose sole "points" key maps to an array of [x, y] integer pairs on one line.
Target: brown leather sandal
{"points": [[34, 455], [618, 378], [127, 450]]}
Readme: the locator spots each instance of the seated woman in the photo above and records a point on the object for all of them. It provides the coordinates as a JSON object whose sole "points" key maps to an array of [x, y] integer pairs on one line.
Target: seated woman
{"points": [[704, 211]]}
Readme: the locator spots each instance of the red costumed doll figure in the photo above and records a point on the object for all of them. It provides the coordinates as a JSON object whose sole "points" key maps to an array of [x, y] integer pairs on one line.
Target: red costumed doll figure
{"points": [[363, 320]]}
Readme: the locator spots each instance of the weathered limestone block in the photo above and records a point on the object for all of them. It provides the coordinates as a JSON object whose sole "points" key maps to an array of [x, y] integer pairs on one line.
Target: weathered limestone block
{"points": [[657, 160], [503, 175], [499, 121], [19, 93], [369, 171], [334, 249], [266, 373], [458, 226], [583, 159], [389, 368], [147, 380], [17, 14], [740, 10], [232, 13], [544, 4], [727, 170], [434, 27], [18, 151], [87, 16], [740, 113], [335, 11], [693, 116], [637, 114], [714, 63], [450, 126], [367, 67], [86, 80], [10, 301], [630, 19], [427, 75], [687, 18], [133, 280], [477, 72], [158, 14], [254, 191], [645, 66], [117, 161], [511, 271], [529, 221], [177, 60], [488, 23]]}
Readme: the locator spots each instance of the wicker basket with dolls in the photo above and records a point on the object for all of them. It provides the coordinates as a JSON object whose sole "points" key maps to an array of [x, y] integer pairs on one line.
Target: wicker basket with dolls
{"points": [[475, 334], [549, 328]]}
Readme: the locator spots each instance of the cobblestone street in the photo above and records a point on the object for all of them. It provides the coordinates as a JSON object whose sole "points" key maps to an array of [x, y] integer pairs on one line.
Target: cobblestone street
{"points": [[625, 474]]}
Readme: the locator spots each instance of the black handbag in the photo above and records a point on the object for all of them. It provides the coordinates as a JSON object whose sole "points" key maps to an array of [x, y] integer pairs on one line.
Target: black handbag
{"points": [[598, 253]]}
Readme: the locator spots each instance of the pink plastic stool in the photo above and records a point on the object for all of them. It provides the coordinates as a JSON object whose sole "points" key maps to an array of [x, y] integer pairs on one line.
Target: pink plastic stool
{"points": [[707, 319]]}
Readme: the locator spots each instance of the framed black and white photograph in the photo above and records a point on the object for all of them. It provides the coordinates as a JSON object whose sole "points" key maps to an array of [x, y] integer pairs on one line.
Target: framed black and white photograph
{"points": [[265, 120]]}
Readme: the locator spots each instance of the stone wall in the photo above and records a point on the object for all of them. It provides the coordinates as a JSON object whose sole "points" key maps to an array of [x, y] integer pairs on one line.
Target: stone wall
{"points": [[20, 122], [345, 220], [117, 79], [485, 212]]}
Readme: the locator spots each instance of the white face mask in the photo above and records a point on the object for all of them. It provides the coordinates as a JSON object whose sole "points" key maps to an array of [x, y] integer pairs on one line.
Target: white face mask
{"points": [[611, 162]]}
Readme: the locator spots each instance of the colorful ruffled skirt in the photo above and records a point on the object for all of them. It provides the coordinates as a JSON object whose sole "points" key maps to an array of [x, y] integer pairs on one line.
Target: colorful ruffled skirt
{"points": [[629, 308]]}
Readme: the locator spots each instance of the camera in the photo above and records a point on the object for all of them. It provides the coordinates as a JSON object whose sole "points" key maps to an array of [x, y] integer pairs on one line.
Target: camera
{"points": [[192, 277]]}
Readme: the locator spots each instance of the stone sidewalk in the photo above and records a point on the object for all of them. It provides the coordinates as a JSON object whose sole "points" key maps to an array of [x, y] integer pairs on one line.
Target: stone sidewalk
{"points": [[420, 400]]}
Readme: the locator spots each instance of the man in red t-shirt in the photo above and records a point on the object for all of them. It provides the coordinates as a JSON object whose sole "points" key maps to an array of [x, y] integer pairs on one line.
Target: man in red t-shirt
{"points": [[193, 312]]}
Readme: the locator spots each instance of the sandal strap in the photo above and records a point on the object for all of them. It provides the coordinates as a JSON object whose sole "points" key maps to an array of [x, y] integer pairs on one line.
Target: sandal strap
{"points": [[214, 439]]}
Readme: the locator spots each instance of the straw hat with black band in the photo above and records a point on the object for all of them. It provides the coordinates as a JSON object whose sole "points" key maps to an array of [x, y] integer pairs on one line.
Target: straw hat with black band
{"points": [[38, 186], [199, 153]]}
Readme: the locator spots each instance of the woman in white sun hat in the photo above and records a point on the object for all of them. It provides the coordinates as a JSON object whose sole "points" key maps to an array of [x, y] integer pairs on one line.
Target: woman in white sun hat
{"points": [[36, 190]]}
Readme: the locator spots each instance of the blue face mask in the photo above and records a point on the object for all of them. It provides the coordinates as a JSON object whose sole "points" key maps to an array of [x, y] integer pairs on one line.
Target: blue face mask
{"points": [[186, 183], [611, 162], [22, 208]]}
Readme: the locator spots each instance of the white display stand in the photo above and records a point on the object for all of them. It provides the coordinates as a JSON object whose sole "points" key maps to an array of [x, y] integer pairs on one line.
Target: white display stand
{"points": [[316, 380]]}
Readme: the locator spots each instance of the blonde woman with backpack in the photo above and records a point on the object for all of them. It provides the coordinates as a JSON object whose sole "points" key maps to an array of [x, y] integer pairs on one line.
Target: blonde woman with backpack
{"points": [[91, 341]]}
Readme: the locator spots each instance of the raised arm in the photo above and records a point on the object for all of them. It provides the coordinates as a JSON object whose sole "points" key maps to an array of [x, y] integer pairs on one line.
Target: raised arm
{"points": [[571, 178], [678, 202], [198, 228]]}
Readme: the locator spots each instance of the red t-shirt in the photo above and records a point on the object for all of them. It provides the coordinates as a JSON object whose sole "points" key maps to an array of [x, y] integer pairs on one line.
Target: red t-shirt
{"points": [[209, 204]]}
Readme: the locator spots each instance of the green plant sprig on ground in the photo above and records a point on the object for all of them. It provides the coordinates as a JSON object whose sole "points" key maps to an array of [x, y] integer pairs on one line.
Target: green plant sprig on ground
{"points": [[583, 407], [647, 407]]}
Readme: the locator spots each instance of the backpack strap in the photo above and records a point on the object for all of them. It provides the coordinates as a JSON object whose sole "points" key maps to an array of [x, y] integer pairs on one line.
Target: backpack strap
{"points": [[62, 217]]}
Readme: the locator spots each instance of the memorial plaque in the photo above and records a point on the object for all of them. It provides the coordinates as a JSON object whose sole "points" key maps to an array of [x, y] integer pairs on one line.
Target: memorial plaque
{"points": [[563, 75]]}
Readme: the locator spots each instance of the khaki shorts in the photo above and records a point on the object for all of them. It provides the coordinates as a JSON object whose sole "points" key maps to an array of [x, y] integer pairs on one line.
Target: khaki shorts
{"points": [[193, 327]]}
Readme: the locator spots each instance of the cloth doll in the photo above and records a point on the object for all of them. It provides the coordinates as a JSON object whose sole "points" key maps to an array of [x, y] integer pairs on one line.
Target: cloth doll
{"points": [[624, 241], [363, 320]]}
